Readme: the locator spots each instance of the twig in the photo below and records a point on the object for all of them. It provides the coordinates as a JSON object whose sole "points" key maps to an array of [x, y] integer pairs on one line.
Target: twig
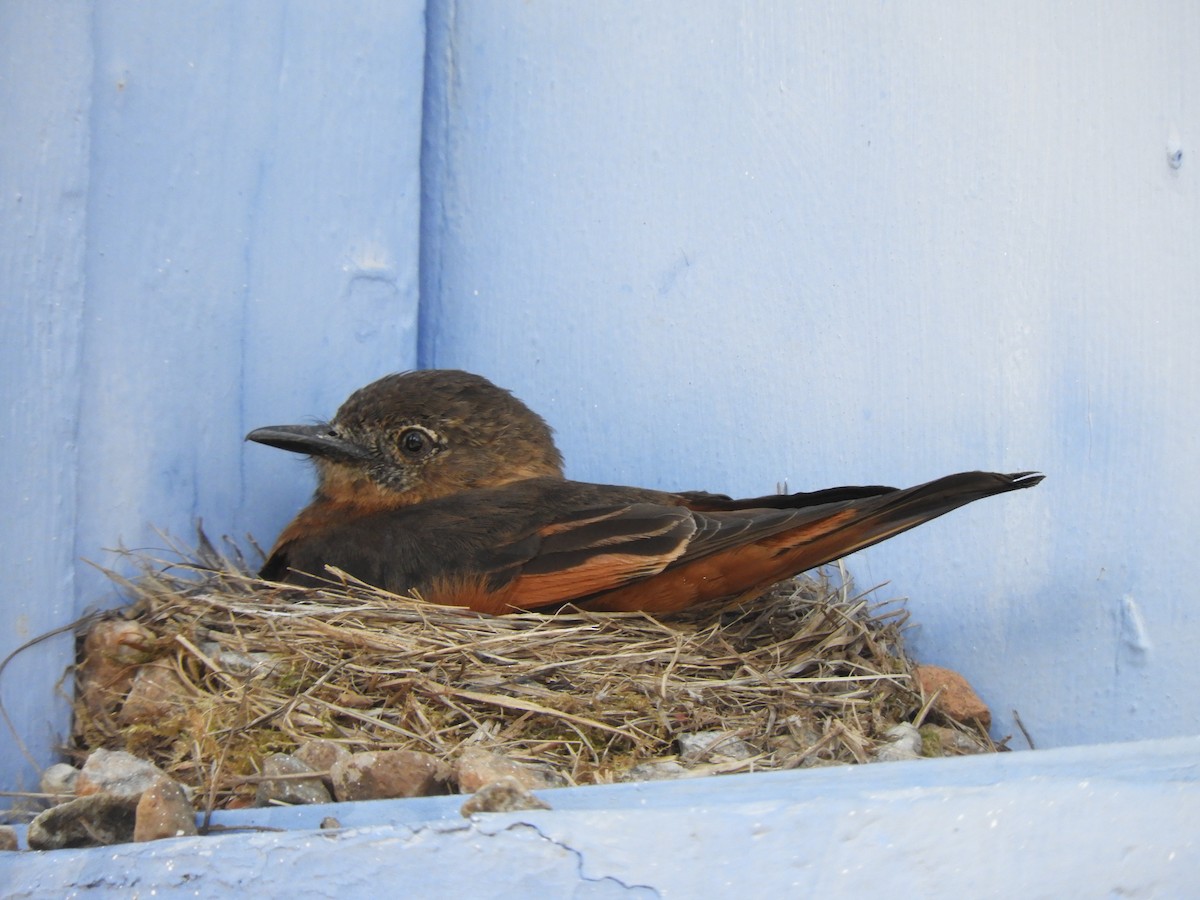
{"points": [[1021, 725]]}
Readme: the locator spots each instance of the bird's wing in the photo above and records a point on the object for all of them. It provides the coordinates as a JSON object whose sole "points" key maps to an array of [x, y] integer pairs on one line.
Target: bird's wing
{"points": [[601, 550], [550, 542], [593, 551], [496, 551], [596, 555]]}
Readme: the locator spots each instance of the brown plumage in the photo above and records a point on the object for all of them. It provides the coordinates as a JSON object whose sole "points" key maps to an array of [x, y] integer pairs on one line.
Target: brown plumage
{"points": [[440, 483]]}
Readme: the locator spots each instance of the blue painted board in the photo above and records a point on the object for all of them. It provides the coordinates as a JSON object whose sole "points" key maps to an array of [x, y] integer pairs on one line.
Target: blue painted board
{"points": [[214, 214], [44, 149], [870, 243], [1082, 821]]}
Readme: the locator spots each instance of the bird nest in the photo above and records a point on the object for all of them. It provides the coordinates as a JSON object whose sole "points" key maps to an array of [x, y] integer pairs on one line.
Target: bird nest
{"points": [[812, 673]]}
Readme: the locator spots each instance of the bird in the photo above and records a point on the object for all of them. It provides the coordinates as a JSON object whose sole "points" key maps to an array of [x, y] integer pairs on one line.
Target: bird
{"points": [[438, 484]]}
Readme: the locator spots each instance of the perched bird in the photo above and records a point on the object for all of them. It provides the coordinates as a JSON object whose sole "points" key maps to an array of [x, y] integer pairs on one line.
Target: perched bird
{"points": [[441, 484]]}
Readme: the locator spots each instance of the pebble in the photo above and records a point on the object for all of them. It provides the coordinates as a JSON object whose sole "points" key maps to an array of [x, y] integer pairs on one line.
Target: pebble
{"points": [[156, 693], [957, 699], [381, 774], [60, 779], [8, 838], [163, 811], [96, 820], [477, 767], [319, 755], [657, 770], [705, 746], [505, 795], [904, 743], [804, 731], [116, 772], [256, 664], [112, 651], [293, 791], [942, 741]]}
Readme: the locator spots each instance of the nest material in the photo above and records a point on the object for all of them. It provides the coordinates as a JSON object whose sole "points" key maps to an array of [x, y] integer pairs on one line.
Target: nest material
{"points": [[809, 674]]}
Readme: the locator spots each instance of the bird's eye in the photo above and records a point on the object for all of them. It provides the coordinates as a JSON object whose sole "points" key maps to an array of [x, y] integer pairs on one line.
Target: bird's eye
{"points": [[416, 443]]}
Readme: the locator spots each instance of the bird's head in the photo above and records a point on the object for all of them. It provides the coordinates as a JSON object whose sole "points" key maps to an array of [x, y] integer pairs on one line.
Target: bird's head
{"points": [[415, 436]]}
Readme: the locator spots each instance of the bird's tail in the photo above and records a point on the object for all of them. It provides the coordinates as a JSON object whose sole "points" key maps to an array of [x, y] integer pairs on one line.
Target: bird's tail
{"points": [[844, 528], [739, 551]]}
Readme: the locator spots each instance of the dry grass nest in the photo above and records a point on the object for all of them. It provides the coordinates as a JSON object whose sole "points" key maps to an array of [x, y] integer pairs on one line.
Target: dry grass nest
{"points": [[812, 673]]}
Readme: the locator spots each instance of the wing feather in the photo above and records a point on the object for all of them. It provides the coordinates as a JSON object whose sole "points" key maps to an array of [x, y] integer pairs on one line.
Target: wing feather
{"points": [[600, 550]]}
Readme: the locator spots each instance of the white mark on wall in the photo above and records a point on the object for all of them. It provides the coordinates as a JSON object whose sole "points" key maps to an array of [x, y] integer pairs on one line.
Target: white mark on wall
{"points": [[370, 257], [1133, 630], [378, 303]]}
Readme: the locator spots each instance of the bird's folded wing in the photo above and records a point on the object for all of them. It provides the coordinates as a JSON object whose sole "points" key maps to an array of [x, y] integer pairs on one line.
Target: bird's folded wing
{"points": [[611, 549], [600, 550]]}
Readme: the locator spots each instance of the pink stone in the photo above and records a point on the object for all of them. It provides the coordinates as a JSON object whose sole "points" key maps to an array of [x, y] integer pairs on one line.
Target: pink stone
{"points": [[388, 773], [477, 767], [957, 699], [163, 812]]}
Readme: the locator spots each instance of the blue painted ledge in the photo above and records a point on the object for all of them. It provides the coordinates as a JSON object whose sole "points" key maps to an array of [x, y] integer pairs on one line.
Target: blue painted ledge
{"points": [[1116, 820]]}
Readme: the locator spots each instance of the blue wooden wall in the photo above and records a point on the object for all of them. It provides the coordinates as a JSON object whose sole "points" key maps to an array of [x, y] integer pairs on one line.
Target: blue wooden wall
{"points": [[210, 223], [862, 243], [719, 247]]}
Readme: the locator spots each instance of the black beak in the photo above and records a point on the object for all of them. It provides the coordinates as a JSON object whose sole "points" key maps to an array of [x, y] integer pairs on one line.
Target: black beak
{"points": [[314, 440]]}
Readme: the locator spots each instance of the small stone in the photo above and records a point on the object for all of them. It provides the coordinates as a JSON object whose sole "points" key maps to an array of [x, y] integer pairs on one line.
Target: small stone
{"points": [[477, 767], [256, 665], [294, 791], [8, 838], [941, 741], [157, 693], [330, 823], [319, 755], [377, 775], [657, 770], [505, 795], [803, 731], [163, 812], [957, 700], [704, 746], [931, 741], [904, 743], [96, 820], [116, 772], [112, 651], [60, 779]]}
